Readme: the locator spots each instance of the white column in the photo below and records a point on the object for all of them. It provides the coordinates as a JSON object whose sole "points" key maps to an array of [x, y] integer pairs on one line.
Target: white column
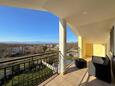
{"points": [[80, 46], [62, 44]]}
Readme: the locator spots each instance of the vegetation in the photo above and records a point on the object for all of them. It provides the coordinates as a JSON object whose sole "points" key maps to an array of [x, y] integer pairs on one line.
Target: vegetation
{"points": [[70, 57], [29, 78], [17, 50]]}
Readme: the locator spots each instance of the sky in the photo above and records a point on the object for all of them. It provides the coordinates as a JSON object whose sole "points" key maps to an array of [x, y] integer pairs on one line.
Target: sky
{"points": [[21, 25]]}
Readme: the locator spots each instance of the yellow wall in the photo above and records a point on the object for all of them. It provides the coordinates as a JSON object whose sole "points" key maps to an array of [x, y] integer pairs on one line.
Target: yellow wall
{"points": [[95, 50], [89, 50], [83, 47], [98, 50]]}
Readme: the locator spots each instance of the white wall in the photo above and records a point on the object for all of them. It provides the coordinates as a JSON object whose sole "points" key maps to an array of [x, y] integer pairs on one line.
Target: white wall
{"points": [[108, 43], [108, 47]]}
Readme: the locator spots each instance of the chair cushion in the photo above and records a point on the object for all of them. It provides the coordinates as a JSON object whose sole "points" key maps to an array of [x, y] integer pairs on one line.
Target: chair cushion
{"points": [[91, 68], [98, 60]]}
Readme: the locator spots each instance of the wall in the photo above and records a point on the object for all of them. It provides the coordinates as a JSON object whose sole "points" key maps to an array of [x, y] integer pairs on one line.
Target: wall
{"points": [[108, 46], [95, 50], [89, 50], [84, 48], [99, 50], [108, 52]]}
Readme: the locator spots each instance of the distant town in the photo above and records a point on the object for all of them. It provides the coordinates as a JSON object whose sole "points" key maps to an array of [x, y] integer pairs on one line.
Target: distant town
{"points": [[12, 50]]}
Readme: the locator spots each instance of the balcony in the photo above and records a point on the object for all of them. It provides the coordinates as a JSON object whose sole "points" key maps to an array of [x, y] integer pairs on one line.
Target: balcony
{"points": [[34, 70], [42, 70], [72, 77], [88, 20]]}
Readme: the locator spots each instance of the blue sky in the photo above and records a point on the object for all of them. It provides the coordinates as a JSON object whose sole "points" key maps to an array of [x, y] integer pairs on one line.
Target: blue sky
{"points": [[17, 24]]}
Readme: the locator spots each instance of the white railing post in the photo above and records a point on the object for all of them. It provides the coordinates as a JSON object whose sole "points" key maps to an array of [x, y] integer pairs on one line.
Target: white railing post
{"points": [[62, 44]]}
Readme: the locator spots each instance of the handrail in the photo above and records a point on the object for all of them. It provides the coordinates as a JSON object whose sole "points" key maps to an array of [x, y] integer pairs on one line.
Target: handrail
{"points": [[26, 57], [44, 65]]}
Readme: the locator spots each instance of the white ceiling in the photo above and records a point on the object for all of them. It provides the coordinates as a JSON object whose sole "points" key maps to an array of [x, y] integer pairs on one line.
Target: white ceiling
{"points": [[91, 19]]}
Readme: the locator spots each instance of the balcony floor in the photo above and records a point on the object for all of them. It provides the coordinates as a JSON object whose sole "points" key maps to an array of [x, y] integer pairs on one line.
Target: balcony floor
{"points": [[74, 77]]}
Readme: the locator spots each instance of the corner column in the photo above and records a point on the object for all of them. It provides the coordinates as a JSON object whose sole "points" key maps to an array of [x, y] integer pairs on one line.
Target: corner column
{"points": [[80, 46]]}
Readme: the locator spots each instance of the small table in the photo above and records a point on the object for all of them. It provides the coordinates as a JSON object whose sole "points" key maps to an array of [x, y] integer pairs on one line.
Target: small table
{"points": [[80, 63]]}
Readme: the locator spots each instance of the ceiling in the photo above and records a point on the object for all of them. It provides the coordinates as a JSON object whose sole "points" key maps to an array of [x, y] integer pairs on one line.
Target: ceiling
{"points": [[91, 19]]}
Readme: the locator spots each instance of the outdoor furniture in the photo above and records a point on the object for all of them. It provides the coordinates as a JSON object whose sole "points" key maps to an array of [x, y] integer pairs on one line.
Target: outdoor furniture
{"points": [[80, 63], [113, 66], [102, 68], [91, 68]]}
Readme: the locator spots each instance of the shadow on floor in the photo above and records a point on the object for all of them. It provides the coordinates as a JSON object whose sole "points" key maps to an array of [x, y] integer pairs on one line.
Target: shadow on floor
{"points": [[72, 69], [96, 82]]}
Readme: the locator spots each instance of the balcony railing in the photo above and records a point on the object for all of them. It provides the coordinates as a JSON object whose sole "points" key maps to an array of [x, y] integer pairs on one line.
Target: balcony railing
{"points": [[71, 55], [28, 70]]}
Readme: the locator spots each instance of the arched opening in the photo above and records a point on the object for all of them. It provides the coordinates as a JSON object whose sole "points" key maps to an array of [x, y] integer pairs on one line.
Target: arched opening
{"points": [[32, 34], [25, 26]]}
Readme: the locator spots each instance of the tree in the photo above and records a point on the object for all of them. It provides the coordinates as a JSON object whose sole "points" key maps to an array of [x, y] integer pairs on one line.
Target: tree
{"points": [[44, 48]]}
